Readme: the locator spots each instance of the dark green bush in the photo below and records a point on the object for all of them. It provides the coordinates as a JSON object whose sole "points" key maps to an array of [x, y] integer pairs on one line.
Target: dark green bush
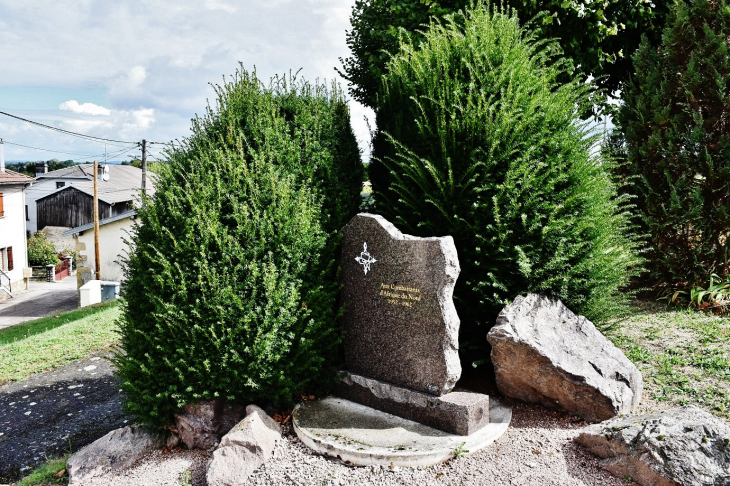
{"points": [[675, 119], [231, 288], [478, 141], [41, 251]]}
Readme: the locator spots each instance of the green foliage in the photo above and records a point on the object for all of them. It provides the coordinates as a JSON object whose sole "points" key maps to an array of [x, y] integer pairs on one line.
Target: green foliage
{"points": [[597, 35], [134, 162], [41, 251], [29, 168], [480, 142], [231, 287], [715, 298], [678, 139], [460, 451]]}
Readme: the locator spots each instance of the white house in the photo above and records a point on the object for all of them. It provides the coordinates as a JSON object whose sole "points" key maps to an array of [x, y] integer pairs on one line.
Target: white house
{"points": [[122, 179], [112, 247], [13, 241]]}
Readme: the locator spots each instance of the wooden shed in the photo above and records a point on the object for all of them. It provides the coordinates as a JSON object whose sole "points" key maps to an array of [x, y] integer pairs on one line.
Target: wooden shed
{"points": [[73, 205]]}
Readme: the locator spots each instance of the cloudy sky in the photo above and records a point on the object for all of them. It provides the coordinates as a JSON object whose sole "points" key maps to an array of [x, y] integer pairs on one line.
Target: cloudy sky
{"points": [[128, 70]]}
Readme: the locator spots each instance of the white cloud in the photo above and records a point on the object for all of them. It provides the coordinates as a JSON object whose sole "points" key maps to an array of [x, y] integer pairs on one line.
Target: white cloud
{"points": [[140, 119], [137, 75], [85, 126], [218, 5], [85, 108]]}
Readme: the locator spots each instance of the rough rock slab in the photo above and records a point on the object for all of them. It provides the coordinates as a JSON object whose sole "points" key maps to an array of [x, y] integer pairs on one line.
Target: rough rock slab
{"points": [[399, 317], [675, 447], [230, 466], [544, 353], [268, 421], [254, 434], [116, 450], [248, 445], [458, 412], [364, 436], [202, 424]]}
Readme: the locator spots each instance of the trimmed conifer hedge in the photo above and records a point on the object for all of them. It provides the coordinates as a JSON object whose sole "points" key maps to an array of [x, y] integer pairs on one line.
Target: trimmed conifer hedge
{"points": [[478, 140], [231, 285], [676, 122]]}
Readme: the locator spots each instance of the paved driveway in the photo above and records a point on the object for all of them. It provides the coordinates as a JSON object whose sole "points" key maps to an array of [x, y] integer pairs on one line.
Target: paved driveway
{"points": [[41, 299]]}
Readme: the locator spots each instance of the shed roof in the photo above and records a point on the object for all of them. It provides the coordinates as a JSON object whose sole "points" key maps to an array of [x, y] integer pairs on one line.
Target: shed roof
{"points": [[88, 226], [107, 194]]}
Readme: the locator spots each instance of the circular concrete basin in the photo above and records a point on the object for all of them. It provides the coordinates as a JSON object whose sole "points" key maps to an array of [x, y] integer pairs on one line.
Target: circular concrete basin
{"points": [[364, 436]]}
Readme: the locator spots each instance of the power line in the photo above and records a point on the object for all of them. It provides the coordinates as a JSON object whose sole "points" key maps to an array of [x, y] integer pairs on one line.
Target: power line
{"points": [[67, 132], [54, 151]]}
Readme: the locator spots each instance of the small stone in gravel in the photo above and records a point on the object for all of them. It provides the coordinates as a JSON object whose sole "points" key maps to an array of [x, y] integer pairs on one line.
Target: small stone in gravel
{"points": [[90, 368]]}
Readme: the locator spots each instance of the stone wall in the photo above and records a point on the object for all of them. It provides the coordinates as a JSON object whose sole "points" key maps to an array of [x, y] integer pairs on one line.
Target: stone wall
{"points": [[84, 273]]}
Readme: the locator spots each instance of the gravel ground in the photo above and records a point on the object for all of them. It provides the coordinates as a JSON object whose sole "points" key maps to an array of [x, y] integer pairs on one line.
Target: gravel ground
{"points": [[53, 412], [178, 468], [538, 448]]}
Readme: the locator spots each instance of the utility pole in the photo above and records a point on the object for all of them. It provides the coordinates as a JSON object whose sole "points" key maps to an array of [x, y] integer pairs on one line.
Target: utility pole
{"points": [[144, 166], [97, 260]]}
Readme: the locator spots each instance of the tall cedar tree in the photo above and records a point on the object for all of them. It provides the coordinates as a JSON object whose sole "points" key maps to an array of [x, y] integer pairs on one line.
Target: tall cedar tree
{"points": [[231, 285], [480, 142], [676, 120], [597, 36]]}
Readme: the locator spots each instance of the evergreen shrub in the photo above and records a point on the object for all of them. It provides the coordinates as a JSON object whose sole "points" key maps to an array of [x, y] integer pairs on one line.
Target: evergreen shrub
{"points": [[478, 140], [676, 123], [41, 251], [231, 287]]}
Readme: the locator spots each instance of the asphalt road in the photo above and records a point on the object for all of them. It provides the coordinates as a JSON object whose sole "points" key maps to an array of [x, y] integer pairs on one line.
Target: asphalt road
{"points": [[41, 299], [55, 412]]}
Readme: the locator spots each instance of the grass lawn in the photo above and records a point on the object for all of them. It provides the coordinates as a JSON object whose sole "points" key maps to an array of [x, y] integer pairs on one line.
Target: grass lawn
{"points": [[53, 341], [45, 474], [683, 354]]}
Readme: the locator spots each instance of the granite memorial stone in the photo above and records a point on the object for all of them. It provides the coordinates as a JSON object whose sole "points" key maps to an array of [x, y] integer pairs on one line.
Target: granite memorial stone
{"points": [[401, 327], [400, 322]]}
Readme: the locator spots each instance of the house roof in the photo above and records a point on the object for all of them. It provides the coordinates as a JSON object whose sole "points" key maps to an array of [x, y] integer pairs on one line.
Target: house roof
{"points": [[106, 193], [11, 177], [82, 171], [88, 226], [122, 176]]}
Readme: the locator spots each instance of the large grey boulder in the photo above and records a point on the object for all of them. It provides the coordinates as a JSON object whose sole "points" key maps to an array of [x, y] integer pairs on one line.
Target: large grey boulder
{"points": [[543, 353], [202, 424], [246, 447], [684, 446], [118, 449]]}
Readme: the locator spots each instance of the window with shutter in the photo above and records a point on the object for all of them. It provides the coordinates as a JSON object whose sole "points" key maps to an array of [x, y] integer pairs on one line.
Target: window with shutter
{"points": [[2, 213], [10, 258]]}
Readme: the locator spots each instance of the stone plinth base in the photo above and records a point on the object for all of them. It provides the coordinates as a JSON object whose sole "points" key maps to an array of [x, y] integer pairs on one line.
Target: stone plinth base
{"points": [[363, 436], [458, 412]]}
